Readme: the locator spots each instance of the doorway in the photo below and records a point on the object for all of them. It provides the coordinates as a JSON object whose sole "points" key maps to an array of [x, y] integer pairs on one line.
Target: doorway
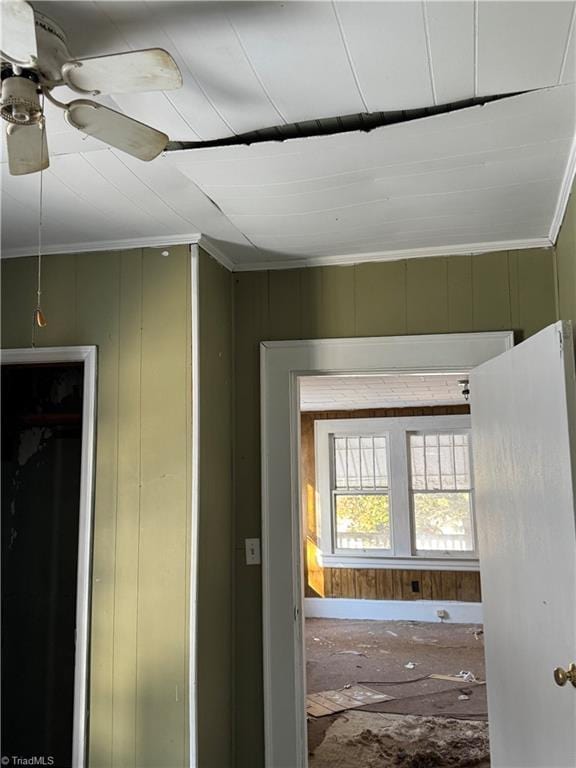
{"points": [[48, 407], [392, 614], [283, 363]]}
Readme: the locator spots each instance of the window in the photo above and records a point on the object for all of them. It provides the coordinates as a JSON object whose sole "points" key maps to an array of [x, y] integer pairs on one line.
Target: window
{"points": [[360, 493], [441, 492], [395, 489]]}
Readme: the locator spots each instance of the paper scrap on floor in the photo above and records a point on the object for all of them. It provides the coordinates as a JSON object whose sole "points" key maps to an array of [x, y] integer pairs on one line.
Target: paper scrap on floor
{"points": [[332, 702]]}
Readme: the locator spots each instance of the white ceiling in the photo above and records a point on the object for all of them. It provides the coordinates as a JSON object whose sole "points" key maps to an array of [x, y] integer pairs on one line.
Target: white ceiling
{"points": [[348, 393], [481, 178]]}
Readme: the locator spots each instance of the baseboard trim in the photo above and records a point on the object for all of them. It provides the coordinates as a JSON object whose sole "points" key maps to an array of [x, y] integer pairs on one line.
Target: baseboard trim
{"points": [[390, 610]]}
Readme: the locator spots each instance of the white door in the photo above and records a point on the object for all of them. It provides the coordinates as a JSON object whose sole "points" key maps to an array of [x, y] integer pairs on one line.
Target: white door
{"points": [[523, 431]]}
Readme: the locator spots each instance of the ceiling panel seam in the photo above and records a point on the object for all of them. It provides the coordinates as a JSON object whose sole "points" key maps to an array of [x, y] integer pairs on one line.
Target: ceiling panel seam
{"points": [[124, 195], [475, 48], [145, 183], [199, 84], [348, 53], [363, 204], [365, 227], [255, 71], [164, 93], [567, 46], [403, 164], [89, 203], [429, 50]]}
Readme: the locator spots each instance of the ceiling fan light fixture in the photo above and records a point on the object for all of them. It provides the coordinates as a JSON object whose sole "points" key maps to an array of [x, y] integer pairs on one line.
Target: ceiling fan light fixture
{"points": [[19, 102]]}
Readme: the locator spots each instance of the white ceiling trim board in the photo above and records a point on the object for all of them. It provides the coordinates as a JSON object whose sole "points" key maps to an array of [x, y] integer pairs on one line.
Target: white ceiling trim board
{"points": [[409, 253], [218, 254], [564, 194], [207, 245], [161, 241]]}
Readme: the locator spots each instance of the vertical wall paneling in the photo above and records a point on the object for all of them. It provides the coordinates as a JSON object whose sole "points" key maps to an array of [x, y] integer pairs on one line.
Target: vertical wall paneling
{"points": [[134, 305], [437, 295], [380, 298], [284, 316], [311, 302], [97, 322], [427, 295], [59, 300], [18, 301], [536, 297], [459, 277], [128, 512], [215, 535], [250, 324], [491, 292], [338, 302], [566, 263], [162, 557]]}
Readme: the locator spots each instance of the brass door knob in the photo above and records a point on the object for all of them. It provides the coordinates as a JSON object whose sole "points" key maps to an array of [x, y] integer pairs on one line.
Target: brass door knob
{"points": [[563, 676]]}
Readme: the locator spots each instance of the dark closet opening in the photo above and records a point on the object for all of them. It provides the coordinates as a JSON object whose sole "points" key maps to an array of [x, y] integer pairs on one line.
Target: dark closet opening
{"points": [[41, 447]]}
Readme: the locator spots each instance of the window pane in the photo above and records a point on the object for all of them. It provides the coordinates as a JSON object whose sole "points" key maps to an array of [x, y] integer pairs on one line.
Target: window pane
{"points": [[360, 462], [362, 521], [367, 461], [353, 462], [440, 462], [443, 521]]}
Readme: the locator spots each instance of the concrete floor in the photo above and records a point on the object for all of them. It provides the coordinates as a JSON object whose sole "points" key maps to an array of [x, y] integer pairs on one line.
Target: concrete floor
{"points": [[341, 652]]}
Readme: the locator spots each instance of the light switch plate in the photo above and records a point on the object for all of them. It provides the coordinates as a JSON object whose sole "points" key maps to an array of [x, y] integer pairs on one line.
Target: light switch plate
{"points": [[252, 551]]}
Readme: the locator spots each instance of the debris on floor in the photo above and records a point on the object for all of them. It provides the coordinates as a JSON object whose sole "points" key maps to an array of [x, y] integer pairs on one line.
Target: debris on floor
{"points": [[374, 740], [431, 690], [332, 702], [463, 677]]}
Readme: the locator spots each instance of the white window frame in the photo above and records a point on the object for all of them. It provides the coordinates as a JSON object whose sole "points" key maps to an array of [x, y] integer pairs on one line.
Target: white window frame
{"points": [[403, 553]]}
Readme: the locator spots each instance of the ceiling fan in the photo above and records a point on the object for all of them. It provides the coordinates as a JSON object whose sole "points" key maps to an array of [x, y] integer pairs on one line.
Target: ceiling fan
{"points": [[35, 60]]}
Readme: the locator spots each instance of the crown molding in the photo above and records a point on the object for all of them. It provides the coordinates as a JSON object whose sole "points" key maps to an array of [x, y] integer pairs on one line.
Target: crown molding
{"points": [[159, 241], [195, 238], [564, 194], [408, 253], [210, 247]]}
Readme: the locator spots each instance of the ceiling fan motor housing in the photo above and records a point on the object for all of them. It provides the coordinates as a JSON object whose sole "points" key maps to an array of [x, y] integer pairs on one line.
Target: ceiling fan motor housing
{"points": [[19, 103]]}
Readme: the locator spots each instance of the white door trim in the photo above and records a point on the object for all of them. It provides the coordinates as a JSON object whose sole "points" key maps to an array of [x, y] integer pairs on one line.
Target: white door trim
{"points": [[194, 502], [282, 362], [88, 356]]}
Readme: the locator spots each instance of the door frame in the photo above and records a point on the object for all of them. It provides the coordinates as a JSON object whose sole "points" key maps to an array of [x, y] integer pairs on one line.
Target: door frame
{"points": [[88, 356], [281, 364]]}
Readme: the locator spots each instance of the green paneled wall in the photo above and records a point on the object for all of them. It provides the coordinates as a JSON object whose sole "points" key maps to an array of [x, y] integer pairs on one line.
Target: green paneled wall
{"points": [[497, 291], [135, 306], [566, 262], [214, 621]]}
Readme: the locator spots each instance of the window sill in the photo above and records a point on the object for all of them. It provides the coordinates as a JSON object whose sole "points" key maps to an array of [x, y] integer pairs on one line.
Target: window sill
{"points": [[400, 563]]}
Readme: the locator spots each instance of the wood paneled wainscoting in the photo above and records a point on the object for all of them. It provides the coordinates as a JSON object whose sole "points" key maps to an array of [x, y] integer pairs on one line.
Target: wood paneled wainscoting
{"points": [[372, 583]]}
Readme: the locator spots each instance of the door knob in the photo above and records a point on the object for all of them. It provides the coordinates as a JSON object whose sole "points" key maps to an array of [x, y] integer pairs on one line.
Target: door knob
{"points": [[563, 676]]}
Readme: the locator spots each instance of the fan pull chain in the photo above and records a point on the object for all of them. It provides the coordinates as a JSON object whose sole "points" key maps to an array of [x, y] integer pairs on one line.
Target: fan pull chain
{"points": [[39, 317]]}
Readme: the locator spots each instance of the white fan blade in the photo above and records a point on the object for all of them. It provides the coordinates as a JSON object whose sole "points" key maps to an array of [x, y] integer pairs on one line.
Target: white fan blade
{"points": [[116, 129], [27, 149], [18, 35], [150, 70]]}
